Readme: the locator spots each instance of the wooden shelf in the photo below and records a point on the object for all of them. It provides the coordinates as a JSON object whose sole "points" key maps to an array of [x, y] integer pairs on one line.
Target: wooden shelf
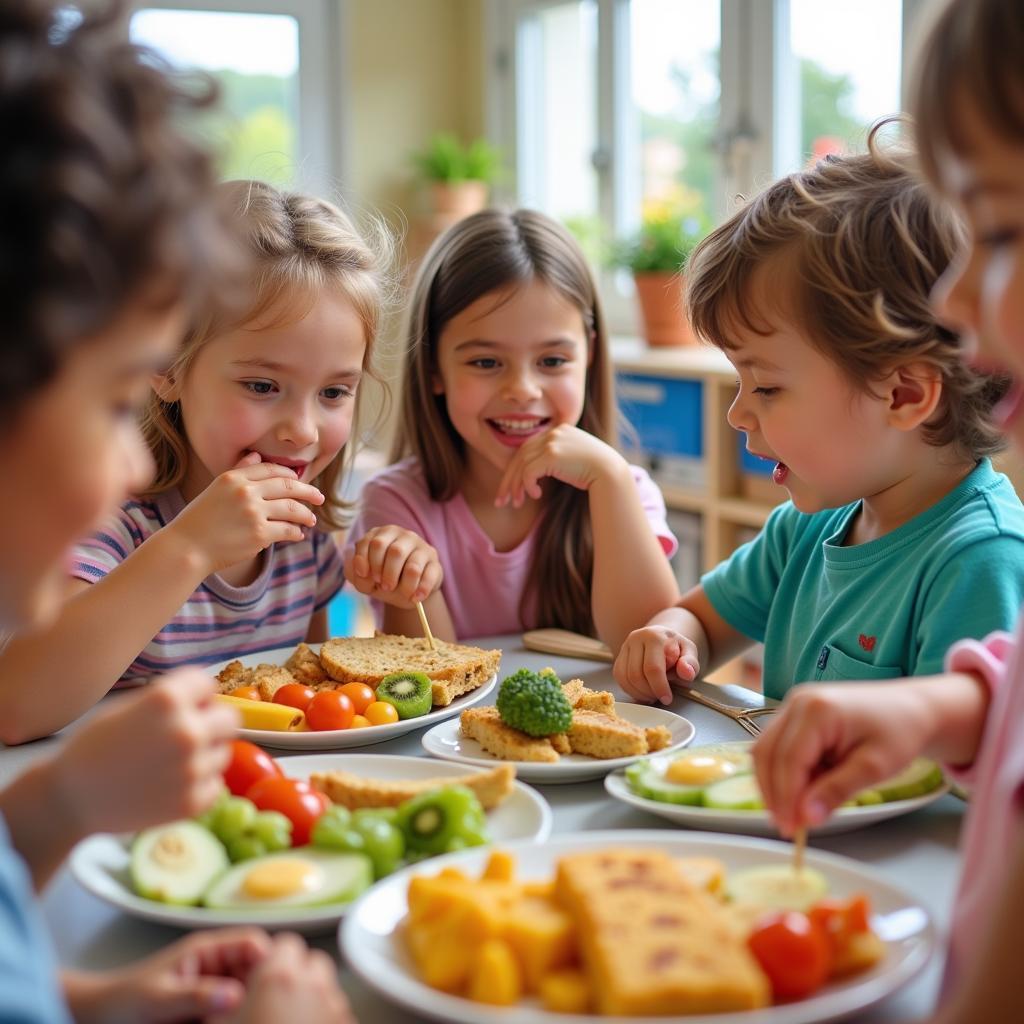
{"points": [[683, 499], [743, 512]]}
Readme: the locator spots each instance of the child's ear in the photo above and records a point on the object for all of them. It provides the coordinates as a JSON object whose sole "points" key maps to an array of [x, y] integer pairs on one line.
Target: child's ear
{"points": [[914, 392], [437, 384], [165, 387]]}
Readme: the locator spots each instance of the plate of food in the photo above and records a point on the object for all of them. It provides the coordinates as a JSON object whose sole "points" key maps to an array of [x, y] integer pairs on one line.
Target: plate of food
{"points": [[556, 732], [713, 787], [353, 691], [616, 926], [236, 865]]}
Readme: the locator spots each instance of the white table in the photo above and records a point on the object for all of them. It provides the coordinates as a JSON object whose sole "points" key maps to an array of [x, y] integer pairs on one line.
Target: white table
{"points": [[917, 852]]}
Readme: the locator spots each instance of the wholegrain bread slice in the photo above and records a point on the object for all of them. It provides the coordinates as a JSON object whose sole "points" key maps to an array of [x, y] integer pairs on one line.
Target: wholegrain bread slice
{"points": [[486, 727], [453, 669]]}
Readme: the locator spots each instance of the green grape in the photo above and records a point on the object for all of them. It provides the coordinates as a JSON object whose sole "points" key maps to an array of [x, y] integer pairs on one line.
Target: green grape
{"points": [[334, 822], [383, 842], [234, 818], [245, 848], [388, 814], [207, 818], [272, 829]]}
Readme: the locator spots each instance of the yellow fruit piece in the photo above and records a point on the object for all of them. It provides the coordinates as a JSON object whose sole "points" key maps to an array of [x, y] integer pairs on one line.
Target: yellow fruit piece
{"points": [[261, 714], [860, 951], [455, 874], [565, 992], [439, 951], [501, 867], [359, 722], [542, 936], [495, 978]]}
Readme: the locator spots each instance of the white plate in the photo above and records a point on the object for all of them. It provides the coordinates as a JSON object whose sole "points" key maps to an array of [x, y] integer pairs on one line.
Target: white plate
{"points": [[344, 739], [100, 863], [372, 948], [445, 741], [758, 823]]}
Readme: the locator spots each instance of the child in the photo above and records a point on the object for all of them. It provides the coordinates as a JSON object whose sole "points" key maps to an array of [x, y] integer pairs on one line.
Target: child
{"points": [[829, 742], [507, 437], [899, 536], [223, 554], [104, 229]]}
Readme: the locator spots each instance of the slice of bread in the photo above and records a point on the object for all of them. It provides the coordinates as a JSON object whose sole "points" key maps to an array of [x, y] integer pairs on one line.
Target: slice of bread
{"points": [[453, 669], [486, 727], [353, 791]]}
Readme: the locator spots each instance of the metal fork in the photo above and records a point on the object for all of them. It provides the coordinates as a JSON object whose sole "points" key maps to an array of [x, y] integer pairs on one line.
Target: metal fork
{"points": [[746, 718]]}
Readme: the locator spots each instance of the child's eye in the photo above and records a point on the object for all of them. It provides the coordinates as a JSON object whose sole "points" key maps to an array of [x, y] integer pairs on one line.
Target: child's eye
{"points": [[484, 363], [337, 392], [764, 392], [553, 362], [258, 387]]}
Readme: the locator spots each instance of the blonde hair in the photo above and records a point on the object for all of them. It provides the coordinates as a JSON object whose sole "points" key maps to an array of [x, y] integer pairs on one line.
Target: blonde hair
{"points": [[973, 50], [860, 243], [296, 244], [488, 252]]}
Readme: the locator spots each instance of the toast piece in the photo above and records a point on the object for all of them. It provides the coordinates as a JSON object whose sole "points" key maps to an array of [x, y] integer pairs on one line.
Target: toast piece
{"points": [[573, 690], [268, 679], [353, 791], [486, 727], [304, 665], [453, 669], [652, 942], [658, 738], [599, 701], [233, 675], [597, 735]]}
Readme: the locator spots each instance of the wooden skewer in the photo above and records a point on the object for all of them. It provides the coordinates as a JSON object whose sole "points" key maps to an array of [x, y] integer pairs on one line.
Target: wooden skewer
{"points": [[799, 842], [426, 626]]}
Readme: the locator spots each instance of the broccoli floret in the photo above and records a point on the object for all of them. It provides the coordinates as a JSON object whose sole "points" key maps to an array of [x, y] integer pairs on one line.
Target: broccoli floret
{"points": [[534, 703]]}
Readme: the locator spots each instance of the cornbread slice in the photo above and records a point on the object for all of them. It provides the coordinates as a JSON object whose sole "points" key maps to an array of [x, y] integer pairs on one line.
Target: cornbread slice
{"points": [[600, 701], [305, 665], [573, 690], [658, 738], [486, 727], [354, 791], [453, 669], [598, 735], [652, 942], [561, 743]]}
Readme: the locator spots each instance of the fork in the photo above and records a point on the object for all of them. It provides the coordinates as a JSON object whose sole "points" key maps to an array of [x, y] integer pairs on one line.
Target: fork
{"points": [[746, 718]]}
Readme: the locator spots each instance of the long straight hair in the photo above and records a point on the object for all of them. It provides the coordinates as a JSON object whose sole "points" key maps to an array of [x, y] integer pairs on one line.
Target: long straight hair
{"points": [[495, 251]]}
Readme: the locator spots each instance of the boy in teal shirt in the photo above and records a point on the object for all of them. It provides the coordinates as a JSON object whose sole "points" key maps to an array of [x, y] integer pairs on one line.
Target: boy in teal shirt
{"points": [[899, 538]]}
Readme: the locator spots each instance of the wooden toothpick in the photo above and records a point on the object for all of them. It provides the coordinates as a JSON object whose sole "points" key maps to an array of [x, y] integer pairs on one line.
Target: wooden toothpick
{"points": [[799, 842], [426, 626]]}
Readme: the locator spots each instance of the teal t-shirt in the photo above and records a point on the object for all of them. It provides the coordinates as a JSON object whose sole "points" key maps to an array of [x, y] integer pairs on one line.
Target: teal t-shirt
{"points": [[881, 610]]}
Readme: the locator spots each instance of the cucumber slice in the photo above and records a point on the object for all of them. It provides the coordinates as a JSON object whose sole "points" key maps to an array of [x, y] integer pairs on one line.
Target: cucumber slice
{"points": [[648, 781], [176, 863], [867, 797], [919, 777], [777, 887], [740, 793]]}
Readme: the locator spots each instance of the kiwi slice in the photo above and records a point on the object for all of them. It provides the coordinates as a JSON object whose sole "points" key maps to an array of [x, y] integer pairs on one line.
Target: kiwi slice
{"points": [[410, 693]]}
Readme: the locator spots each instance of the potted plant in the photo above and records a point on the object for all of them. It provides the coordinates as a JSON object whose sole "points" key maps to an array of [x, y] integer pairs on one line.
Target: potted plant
{"points": [[459, 176], [656, 255]]}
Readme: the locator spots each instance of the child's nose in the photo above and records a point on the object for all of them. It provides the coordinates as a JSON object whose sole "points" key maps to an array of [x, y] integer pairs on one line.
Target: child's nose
{"points": [[521, 386], [298, 427], [739, 415]]}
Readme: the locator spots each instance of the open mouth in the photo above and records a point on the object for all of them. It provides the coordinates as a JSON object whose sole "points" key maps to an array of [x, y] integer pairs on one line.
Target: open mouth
{"points": [[516, 430]]}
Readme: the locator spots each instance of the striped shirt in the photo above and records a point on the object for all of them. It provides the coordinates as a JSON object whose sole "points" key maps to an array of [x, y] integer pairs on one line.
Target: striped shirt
{"points": [[219, 622]]}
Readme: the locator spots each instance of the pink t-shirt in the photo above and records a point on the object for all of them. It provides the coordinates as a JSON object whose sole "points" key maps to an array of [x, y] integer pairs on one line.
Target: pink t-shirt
{"points": [[482, 586], [997, 786]]}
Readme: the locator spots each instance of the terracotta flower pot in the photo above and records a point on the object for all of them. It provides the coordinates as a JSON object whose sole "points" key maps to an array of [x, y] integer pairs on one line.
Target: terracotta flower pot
{"points": [[455, 200], [660, 294]]}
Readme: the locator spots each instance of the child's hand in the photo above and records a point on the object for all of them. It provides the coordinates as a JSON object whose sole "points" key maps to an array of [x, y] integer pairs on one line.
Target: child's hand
{"points": [[828, 742], [565, 453], [395, 566], [153, 757], [202, 974], [647, 656], [244, 511]]}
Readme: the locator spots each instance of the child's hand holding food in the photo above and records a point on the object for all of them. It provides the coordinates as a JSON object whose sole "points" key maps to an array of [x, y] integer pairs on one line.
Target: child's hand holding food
{"points": [[647, 656], [395, 566]]}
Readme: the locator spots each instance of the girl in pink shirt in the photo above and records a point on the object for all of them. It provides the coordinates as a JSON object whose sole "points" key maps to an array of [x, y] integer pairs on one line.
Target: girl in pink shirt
{"points": [[507, 440], [829, 742]]}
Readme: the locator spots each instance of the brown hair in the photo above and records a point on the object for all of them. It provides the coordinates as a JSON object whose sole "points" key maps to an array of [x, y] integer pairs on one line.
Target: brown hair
{"points": [[298, 246], [105, 199], [974, 50], [489, 252], [863, 242]]}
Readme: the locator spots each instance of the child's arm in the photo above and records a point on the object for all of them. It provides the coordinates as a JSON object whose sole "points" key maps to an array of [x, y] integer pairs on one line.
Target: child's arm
{"points": [[50, 677], [632, 578], [152, 757], [831, 741], [685, 639]]}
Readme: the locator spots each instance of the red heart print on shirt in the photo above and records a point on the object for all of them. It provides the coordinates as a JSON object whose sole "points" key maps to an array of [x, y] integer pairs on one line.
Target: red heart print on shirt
{"points": [[867, 642]]}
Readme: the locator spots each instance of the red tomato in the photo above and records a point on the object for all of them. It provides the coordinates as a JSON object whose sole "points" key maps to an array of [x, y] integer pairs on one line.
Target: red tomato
{"points": [[247, 692], [793, 953], [329, 709], [295, 799], [295, 695], [361, 695], [248, 765], [839, 920]]}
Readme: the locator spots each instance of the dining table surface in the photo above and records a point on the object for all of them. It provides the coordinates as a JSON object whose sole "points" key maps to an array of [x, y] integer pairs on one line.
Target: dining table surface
{"points": [[917, 852]]}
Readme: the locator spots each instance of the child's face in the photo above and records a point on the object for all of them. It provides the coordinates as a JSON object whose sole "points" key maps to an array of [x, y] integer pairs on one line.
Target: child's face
{"points": [[512, 365], [286, 391], [830, 442], [982, 294], [73, 454]]}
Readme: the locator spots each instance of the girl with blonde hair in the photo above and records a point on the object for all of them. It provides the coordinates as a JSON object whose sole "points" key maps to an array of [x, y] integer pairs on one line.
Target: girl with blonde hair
{"points": [[230, 549], [508, 464]]}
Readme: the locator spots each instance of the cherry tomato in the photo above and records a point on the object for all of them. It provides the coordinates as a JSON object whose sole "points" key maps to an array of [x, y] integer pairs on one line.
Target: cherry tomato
{"points": [[361, 695], [380, 712], [359, 722], [295, 695], [329, 709], [840, 920], [792, 952], [249, 764], [247, 692], [295, 799]]}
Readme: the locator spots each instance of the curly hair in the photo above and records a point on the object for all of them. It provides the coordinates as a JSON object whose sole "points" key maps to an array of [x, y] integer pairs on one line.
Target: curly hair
{"points": [[854, 245], [104, 197]]}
